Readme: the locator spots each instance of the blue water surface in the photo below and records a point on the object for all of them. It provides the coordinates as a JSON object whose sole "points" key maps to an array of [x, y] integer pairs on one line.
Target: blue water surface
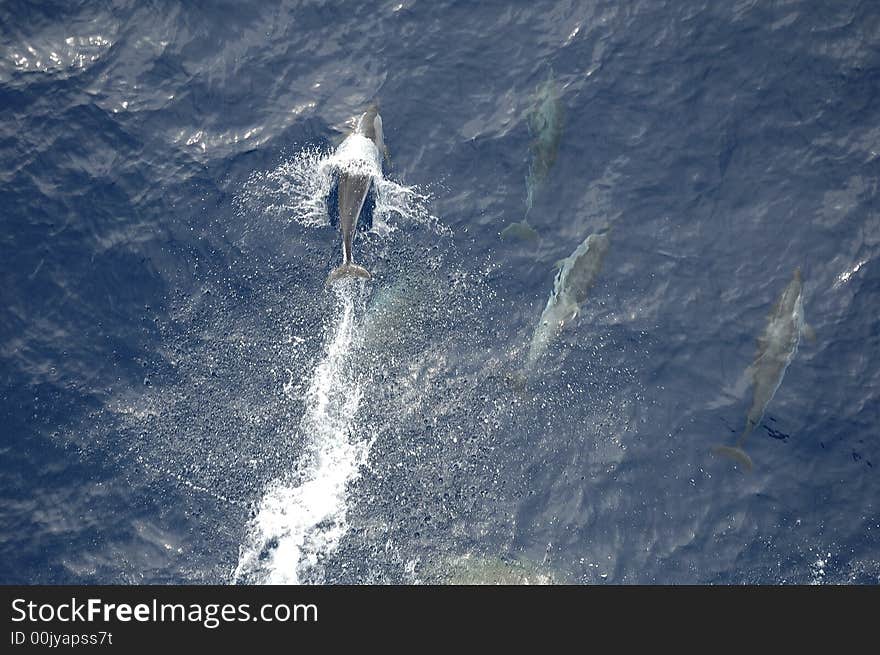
{"points": [[163, 313]]}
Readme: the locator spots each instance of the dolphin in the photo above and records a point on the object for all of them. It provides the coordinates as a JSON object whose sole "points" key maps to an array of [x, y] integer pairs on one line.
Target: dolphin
{"points": [[777, 346], [358, 168], [575, 277], [545, 126], [545, 120], [471, 569]]}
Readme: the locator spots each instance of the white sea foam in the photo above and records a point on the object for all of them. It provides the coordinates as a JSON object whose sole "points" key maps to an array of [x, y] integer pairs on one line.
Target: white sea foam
{"points": [[300, 521], [297, 189]]}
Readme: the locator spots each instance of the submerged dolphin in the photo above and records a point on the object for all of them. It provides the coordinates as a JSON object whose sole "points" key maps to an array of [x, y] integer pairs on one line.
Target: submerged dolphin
{"points": [[476, 570], [777, 347], [545, 128], [576, 275], [358, 168]]}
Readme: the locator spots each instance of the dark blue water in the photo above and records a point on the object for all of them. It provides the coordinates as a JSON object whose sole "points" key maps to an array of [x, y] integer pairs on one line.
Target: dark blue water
{"points": [[165, 329]]}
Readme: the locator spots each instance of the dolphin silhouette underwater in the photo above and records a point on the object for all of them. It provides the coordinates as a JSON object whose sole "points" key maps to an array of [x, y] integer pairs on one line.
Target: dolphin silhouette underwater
{"points": [[777, 346], [357, 170], [576, 275], [545, 121]]}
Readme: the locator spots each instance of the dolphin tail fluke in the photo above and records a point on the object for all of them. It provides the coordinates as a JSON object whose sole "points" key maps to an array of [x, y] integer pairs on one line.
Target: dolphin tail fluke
{"points": [[735, 453], [520, 230], [348, 270]]}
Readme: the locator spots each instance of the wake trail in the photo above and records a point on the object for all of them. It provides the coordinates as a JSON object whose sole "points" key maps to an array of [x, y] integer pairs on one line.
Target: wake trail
{"points": [[302, 516], [302, 520]]}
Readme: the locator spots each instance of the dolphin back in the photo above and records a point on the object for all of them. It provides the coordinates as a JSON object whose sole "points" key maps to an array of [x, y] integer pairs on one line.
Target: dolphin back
{"points": [[580, 270], [370, 126], [352, 196]]}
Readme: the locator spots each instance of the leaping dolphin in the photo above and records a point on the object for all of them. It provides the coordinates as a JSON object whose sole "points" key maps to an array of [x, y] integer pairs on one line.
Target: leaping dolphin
{"points": [[777, 347], [358, 168]]}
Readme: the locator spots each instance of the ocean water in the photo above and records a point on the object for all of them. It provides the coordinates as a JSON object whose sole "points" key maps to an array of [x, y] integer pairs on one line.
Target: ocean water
{"points": [[184, 401]]}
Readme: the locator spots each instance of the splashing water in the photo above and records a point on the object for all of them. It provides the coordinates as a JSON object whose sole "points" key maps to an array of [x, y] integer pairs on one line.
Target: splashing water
{"points": [[297, 190], [299, 522], [302, 517]]}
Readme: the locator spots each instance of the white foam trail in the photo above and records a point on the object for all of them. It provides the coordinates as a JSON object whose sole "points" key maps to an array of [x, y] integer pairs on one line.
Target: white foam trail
{"points": [[301, 520], [299, 523]]}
